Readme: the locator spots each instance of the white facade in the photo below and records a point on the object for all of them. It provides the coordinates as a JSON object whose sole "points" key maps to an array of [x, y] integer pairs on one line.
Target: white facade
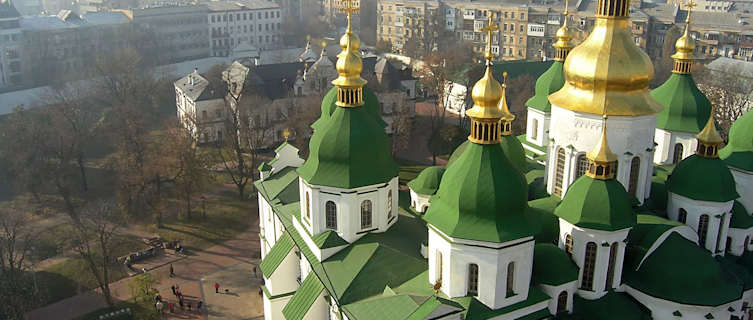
{"points": [[738, 241], [576, 133], [744, 186], [664, 309], [356, 211], [419, 202], [605, 273], [537, 127], [257, 23], [554, 292], [451, 261], [203, 117], [709, 219], [668, 142]]}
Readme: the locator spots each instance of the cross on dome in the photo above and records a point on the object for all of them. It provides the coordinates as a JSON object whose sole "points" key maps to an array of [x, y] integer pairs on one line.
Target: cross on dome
{"points": [[489, 28]]}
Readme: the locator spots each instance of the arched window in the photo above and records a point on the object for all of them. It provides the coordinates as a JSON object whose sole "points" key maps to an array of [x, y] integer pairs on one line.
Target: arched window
{"points": [[582, 165], [747, 243], [308, 206], [439, 266], [534, 129], [635, 170], [719, 234], [559, 172], [589, 265], [703, 229], [611, 267], [728, 246], [677, 156], [366, 214], [562, 302], [569, 245], [330, 215], [389, 204], [473, 279], [511, 278], [682, 216]]}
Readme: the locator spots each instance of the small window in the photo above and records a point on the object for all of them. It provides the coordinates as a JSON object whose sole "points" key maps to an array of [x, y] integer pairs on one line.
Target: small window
{"points": [[366, 214], [703, 229], [682, 216], [308, 206], [473, 279], [635, 169], [535, 129], [677, 156], [589, 266], [330, 209], [569, 245], [389, 205], [582, 165], [562, 302], [439, 266], [511, 279]]}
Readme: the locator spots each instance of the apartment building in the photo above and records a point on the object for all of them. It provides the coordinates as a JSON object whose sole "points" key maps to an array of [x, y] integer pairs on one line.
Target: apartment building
{"points": [[180, 32], [256, 22], [409, 26], [10, 46]]}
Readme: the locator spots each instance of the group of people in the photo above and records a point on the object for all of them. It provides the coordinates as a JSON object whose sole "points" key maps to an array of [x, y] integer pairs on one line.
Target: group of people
{"points": [[182, 303]]}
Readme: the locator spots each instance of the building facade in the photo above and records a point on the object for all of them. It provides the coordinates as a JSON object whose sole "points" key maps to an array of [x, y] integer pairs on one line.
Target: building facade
{"points": [[180, 32], [256, 22], [10, 47]]}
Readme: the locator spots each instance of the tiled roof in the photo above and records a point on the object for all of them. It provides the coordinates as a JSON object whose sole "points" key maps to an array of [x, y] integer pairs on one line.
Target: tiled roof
{"points": [[275, 256], [304, 297]]}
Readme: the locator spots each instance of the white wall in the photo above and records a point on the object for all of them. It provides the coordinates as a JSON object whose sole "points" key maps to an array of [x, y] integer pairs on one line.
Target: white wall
{"points": [[738, 244], [419, 202], [283, 280], [554, 292], [663, 309], [542, 129], [273, 308], [581, 238], [666, 141], [492, 260], [578, 133], [319, 310], [744, 185], [696, 208]]}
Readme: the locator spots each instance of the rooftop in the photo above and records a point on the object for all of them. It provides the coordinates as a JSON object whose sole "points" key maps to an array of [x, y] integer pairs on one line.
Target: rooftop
{"points": [[241, 5]]}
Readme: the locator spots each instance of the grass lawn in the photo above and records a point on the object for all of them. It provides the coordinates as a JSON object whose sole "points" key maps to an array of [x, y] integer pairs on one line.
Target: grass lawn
{"points": [[71, 275], [139, 311]]}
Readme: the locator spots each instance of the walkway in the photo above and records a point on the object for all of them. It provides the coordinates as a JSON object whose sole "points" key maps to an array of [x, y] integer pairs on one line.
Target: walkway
{"points": [[189, 272]]}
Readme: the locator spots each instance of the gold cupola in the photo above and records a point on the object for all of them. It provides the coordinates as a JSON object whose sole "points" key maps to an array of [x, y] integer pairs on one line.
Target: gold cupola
{"points": [[486, 93], [709, 139], [601, 161], [564, 38], [685, 47], [507, 116], [608, 65], [349, 65]]}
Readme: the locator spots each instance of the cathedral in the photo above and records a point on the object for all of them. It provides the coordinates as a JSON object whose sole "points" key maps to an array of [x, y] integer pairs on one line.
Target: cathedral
{"points": [[619, 202]]}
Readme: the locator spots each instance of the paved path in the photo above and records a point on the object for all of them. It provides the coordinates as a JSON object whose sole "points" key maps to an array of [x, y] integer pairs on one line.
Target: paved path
{"points": [[188, 271]]}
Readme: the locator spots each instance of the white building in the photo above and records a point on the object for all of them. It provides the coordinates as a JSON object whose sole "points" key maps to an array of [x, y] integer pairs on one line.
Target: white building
{"points": [[200, 109], [256, 22]]}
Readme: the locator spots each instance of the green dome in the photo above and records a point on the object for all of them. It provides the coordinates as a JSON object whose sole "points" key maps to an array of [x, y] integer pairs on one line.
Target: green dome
{"points": [[371, 103], [349, 150], [514, 152], [706, 179], [552, 266], [741, 219], [686, 108], [739, 151], [549, 82], [482, 197], [597, 204], [427, 181], [510, 145], [681, 271]]}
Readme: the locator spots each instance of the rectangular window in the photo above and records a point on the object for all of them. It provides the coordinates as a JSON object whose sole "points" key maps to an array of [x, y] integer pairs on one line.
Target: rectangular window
{"points": [[473, 279], [535, 129]]}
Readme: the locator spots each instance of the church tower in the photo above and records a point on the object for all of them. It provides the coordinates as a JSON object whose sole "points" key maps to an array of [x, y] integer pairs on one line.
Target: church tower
{"points": [[348, 184], [608, 74], [480, 241], [685, 107]]}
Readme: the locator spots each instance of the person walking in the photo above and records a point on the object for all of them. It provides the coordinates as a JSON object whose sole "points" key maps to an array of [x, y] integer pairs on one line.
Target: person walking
{"points": [[189, 306], [173, 288], [254, 271], [180, 303], [171, 307], [172, 271], [216, 287], [199, 305]]}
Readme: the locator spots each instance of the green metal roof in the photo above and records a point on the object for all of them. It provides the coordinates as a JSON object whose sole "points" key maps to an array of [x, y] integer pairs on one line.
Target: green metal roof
{"points": [[739, 150], [517, 68], [349, 150], [328, 239], [371, 104], [681, 271], [686, 108], [435, 307], [549, 82], [735, 270], [741, 219], [303, 298], [612, 306], [389, 307], [264, 166], [597, 204], [275, 256], [552, 266], [281, 187], [477, 310], [700, 178], [482, 197], [427, 181], [514, 152], [281, 146], [543, 220]]}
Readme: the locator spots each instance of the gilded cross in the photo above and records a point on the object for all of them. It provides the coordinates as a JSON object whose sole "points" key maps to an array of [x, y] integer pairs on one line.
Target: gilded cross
{"points": [[349, 8], [490, 27], [689, 6], [567, 2]]}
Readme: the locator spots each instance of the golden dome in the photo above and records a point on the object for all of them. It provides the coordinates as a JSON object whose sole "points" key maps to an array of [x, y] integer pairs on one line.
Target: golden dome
{"points": [[352, 39], [601, 153], [486, 94], [685, 45], [502, 105], [709, 135], [608, 66]]}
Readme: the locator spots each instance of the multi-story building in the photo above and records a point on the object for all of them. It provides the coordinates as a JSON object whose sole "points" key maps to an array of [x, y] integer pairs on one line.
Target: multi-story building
{"points": [[410, 26], [180, 32], [200, 109], [256, 22], [10, 46]]}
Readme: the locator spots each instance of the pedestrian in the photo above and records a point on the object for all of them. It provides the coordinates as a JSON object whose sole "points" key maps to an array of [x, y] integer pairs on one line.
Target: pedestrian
{"points": [[180, 295], [260, 291], [199, 305], [189, 306], [216, 287], [254, 271], [159, 306], [173, 288], [180, 303], [172, 307], [172, 271], [157, 298]]}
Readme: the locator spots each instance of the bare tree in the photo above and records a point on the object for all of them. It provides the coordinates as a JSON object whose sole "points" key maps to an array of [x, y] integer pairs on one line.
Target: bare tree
{"points": [[519, 90], [728, 93], [193, 174], [241, 132], [93, 239], [402, 124], [301, 113], [18, 289]]}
